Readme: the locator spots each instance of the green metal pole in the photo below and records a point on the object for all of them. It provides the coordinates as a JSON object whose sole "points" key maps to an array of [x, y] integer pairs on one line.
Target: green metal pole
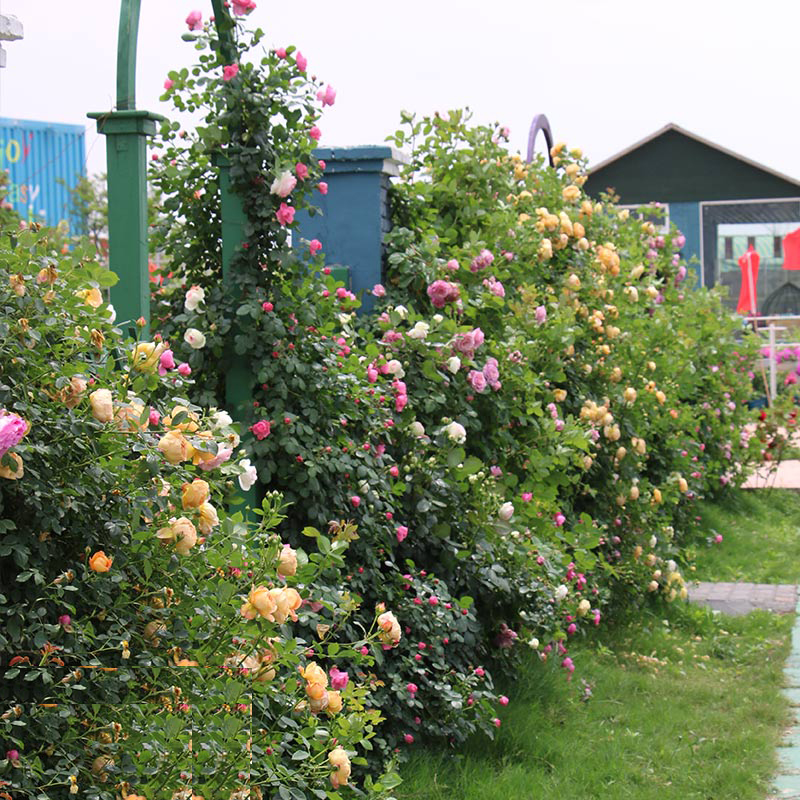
{"points": [[239, 375], [127, 130]]}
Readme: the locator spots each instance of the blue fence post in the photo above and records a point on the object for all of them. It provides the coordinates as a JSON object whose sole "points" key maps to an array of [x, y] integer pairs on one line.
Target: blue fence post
{"points": [[355, 213]]}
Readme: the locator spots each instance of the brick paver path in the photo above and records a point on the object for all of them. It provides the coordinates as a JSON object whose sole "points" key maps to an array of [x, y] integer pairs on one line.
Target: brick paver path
{"points": [[742, 598]]}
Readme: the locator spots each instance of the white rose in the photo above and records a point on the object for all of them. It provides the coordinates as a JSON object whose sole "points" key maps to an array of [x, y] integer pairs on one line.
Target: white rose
{"points": [[283, 184], [401, 312], [112, 313], [672, 566], [222, 419], [396, 368], [506, 511], [194, 339], [561, 592], [456, 432], [249, 476], [653, 541], [437, 318], [419, 331], [454, 364], [194, 297], [416, 429], [533, 643]]}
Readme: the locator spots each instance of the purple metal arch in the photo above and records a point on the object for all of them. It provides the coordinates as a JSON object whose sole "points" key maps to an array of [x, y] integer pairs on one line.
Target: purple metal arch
{"points": [[540, 123]]}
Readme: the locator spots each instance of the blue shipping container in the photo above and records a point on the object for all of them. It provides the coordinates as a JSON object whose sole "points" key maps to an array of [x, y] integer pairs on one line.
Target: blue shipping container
{"points": [[38, 156]]}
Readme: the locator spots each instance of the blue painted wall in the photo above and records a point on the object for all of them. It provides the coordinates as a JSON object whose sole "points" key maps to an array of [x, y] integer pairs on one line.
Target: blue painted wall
{"points": [[686, 217], [354, 214], [38, 156]]}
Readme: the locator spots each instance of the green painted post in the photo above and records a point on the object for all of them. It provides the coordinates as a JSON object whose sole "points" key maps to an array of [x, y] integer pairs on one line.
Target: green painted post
{"points": [[126, 131], [239, 376]]}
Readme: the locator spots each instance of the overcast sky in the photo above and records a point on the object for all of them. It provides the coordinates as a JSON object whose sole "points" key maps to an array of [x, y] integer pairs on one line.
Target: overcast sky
{"points": [[606, 72]]}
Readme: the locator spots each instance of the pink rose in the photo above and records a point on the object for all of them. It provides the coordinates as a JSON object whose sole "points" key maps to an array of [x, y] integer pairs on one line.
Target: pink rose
{"points": [[223, 454], [327, 96], [491, 372], [166, 361], [285, 214], [540, 315], [378, 290], [468, 343], [477, 381], [355, 500], [242, 7], [261, 429], [267, 306], [184, 369], [322, 186], [481, 261], [315, 133], [527, 497], [394, 472], [154, 418], [301, 170], [283, 184], [443, 292], [280, 52], [402, 532], [559, 519], [12, 429], [301, 61], [168, 84], [230, 72], [339, 679], [194, 20], [314, 246]]}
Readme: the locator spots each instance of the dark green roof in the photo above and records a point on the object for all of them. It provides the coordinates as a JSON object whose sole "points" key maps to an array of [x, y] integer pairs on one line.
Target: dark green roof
{"points": [[674, 165]]}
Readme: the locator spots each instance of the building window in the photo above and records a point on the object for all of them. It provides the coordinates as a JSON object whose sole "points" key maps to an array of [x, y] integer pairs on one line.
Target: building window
{"points": [[729, 247], [777, 247]]}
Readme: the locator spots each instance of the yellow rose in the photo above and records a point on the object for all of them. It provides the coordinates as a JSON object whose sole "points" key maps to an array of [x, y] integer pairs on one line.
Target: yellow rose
{"points": [[571, 194], [17, 283], [313, 673], [175, 447], [682, 485], [287, 564], [630, 395], [334, 702], [338, 759], [127, 417], [101, 765], [259, 601], [656, 495], [208, 518], [102, 405], [389, 629], [13, 473], [100, 562], [583, 607], [188, 422], [634, 493], [145, 355], [92, 297], [71, 395], [560, 395], [195, 494], [185, 535]]}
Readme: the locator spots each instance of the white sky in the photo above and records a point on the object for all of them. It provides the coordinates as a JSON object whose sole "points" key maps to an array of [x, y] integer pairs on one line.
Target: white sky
{"points": [[606, 72]]}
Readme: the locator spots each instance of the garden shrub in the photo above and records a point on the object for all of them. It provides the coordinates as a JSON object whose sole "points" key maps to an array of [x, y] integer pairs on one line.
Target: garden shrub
{"points": [[151, 644], [520, 431]]}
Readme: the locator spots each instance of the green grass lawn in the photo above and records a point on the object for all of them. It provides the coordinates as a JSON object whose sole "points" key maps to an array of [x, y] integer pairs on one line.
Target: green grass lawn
{"points": [[684, 704], [760, 538]]}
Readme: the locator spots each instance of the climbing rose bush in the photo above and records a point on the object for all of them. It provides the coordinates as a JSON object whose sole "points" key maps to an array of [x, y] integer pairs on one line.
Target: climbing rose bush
{"points": [[152, 644], [511, 445]]}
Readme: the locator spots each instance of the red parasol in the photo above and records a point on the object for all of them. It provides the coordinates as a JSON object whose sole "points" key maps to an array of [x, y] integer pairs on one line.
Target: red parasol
{"points": [[791, 250], [747, 294]]}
